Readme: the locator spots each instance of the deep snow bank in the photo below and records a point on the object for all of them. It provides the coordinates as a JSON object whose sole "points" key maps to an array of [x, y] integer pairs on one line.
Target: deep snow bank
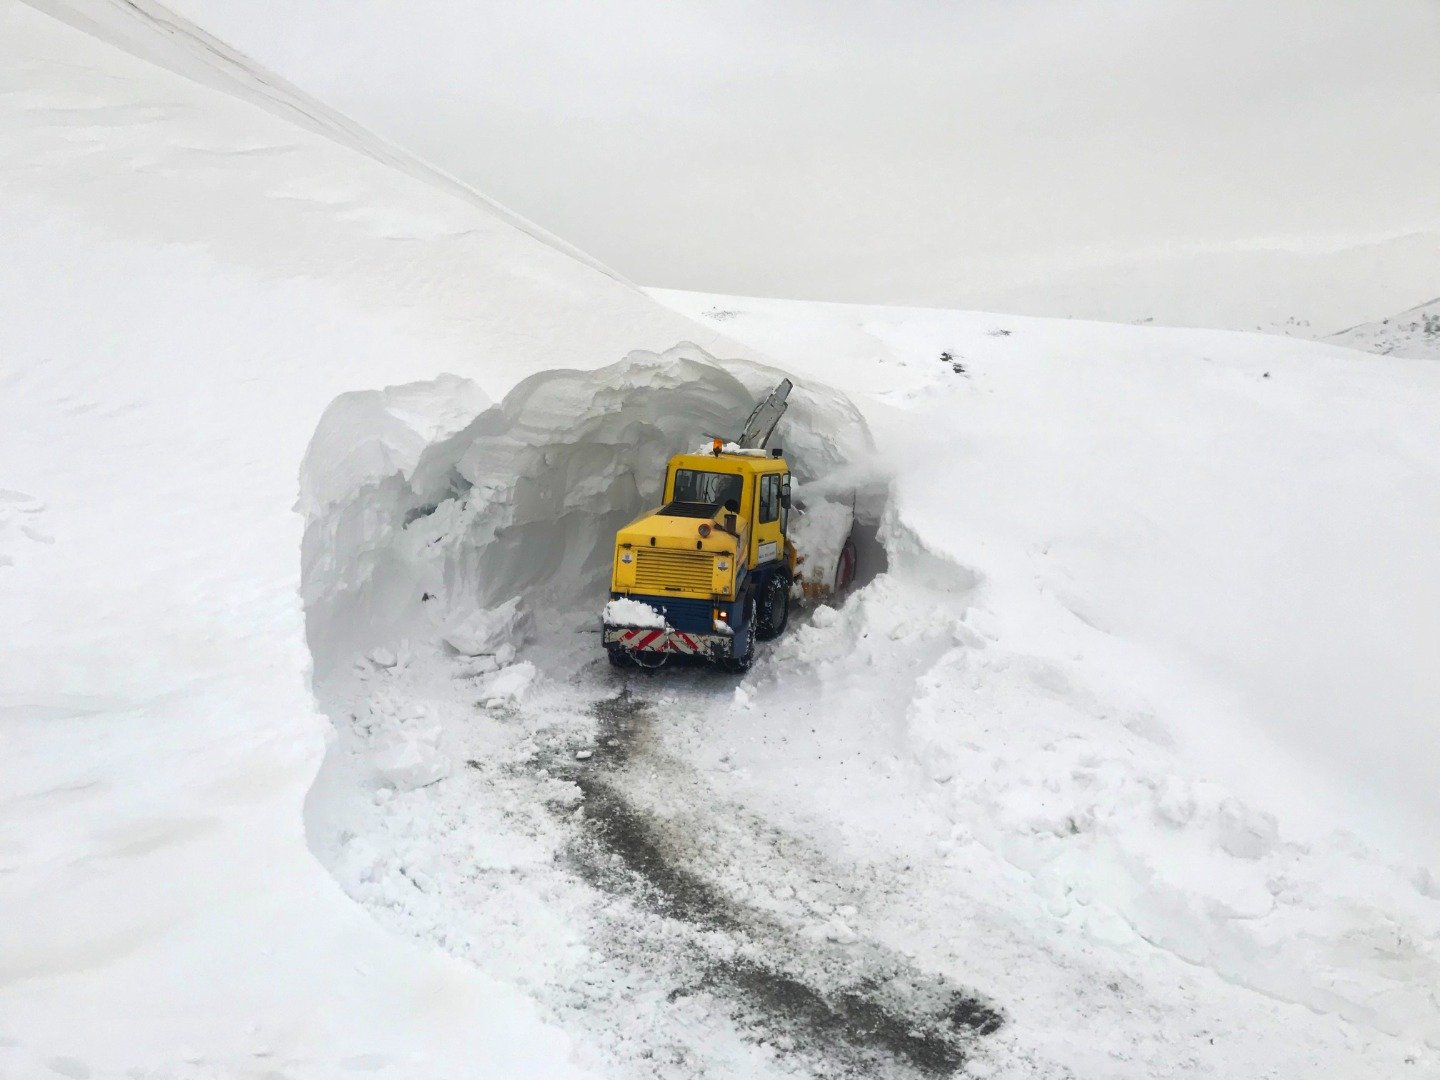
{"points": [[1252, 515], [186, 282], [160, 35], [424, 508], [1195, 657]]}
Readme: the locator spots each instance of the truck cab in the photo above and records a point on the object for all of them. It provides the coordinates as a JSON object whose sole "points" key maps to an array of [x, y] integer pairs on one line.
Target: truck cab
{"points": [[708, 571]]}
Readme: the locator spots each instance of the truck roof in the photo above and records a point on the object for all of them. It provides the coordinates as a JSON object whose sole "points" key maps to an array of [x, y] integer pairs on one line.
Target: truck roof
{"points": [[730, 461]]}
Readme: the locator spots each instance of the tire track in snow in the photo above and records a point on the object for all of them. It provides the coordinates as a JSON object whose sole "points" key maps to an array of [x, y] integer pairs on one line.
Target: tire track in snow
{"points": [[850, 1006], [670, 931]]}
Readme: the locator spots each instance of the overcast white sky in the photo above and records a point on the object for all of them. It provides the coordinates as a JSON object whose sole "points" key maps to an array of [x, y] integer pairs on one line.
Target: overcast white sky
{"points": [[960, 153]]}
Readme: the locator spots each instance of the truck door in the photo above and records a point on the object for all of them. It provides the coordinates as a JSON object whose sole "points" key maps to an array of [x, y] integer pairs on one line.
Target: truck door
{"points": [[769, 520]]}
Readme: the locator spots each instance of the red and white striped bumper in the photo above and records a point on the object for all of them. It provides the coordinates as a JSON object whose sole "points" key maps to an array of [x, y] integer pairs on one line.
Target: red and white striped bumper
{"points": [[666, 641]]}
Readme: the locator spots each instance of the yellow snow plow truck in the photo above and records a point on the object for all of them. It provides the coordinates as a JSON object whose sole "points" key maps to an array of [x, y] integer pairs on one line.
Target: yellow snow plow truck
{"points": [[710, 571]]}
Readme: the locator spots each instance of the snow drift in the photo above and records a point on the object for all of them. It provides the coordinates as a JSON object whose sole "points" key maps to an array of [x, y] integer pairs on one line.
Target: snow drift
{"points": [[424, 508], [1188, 689]]}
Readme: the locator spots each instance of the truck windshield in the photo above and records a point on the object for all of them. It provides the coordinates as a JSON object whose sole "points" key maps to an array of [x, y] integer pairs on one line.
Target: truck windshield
{"points": [[692, 485]]}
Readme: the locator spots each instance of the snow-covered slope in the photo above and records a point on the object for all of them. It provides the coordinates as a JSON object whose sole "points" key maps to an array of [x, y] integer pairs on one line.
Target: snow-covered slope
{"points": [[162, 36], [1257, 507], [1281, 285], [186, 283], [1260, 166], [1414, 333]]}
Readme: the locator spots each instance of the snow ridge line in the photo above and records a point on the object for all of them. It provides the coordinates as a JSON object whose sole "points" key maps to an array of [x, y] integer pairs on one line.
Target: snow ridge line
{"points": [[1392, 318], [143, 29]]}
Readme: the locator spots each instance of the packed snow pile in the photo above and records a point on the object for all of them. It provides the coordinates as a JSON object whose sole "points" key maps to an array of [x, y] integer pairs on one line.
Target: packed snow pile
{"points": [[368, 436], [418, 521], [496, 632]]}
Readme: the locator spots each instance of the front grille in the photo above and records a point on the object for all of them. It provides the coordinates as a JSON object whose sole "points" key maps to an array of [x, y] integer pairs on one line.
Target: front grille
{"points": [[660, 570], [689, 509]]}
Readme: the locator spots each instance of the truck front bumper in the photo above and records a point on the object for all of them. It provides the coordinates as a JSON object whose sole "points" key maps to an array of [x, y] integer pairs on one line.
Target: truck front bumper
{"points": [[644, 639]]}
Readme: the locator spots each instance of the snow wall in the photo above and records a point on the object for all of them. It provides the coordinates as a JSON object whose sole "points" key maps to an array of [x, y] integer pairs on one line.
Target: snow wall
{"points": [[426, 505]]}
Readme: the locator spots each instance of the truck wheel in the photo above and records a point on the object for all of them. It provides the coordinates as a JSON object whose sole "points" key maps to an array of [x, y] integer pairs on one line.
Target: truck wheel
{"points": [[741, 664], [774, 608], [619, 658]]}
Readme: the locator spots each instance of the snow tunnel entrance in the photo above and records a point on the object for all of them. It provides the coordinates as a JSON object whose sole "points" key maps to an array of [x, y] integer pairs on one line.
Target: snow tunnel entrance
{"points": [[431, 512], [871, 558]]}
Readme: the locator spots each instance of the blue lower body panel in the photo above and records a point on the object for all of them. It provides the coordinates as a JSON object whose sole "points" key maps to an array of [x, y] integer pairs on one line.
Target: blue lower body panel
{"points": [[683, 613], [690, 628]]}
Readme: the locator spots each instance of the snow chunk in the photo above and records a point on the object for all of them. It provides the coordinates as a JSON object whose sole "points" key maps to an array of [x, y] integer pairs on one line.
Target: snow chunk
{"points": [[1174, 801], [366, 436], [484, 632], [509, 685], [636, 613], [732, 448], [391, 658], [360, 863], [408, 762]]}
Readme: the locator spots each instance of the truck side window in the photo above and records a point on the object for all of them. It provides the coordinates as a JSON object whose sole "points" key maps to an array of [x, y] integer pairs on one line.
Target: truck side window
{"points": [[769, 498]]}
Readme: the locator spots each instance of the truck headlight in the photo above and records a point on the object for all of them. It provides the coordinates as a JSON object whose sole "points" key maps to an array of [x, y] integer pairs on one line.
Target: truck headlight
{"points": [[627, 557], [722, 564]]}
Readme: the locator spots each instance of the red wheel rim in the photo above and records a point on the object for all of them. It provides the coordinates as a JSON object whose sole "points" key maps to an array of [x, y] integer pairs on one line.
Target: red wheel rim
{"points": [[845, 572]]}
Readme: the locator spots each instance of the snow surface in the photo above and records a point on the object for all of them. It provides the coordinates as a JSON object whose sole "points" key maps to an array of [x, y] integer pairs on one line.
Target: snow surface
{"points": [[1158, 613]]}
